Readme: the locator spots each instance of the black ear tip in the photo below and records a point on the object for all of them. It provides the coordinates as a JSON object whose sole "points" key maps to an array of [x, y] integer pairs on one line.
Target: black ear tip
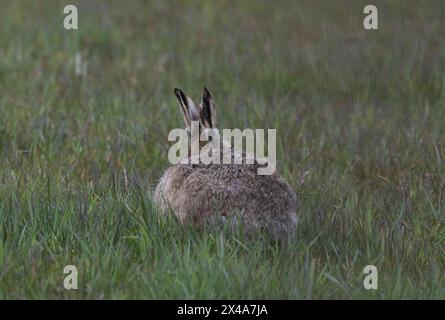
{"points": [[207, 95], [180, 95]]}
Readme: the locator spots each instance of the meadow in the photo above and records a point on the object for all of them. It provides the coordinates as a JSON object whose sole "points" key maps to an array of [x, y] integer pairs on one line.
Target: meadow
{"points": [[360, 119]]}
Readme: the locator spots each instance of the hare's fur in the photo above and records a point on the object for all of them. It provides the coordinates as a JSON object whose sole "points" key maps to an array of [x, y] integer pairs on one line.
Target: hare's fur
{"points": [[202, 193]]}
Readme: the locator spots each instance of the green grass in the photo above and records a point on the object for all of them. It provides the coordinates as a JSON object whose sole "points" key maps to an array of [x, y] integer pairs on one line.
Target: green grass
{"points": [[360, 120]]}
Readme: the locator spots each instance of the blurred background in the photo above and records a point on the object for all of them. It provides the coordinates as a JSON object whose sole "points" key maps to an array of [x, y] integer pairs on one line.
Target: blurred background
{"points": [[360, 119]]}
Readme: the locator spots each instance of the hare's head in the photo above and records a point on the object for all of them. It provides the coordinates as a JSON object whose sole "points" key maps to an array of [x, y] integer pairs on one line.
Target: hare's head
{"points": [[203, 116]]}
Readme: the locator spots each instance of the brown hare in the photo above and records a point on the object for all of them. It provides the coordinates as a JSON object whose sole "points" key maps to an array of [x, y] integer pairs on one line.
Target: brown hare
{"points": [[203, 193]]}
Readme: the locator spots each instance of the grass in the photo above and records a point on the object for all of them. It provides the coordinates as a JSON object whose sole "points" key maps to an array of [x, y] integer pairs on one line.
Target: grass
{"points": [[360, 118]]}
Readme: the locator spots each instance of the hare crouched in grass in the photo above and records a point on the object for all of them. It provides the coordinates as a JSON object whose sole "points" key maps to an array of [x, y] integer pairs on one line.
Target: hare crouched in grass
{"points": [[205, 193]]}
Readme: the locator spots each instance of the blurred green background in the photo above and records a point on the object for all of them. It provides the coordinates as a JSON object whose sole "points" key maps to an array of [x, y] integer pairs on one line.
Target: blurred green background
{"points": [[360, 119]]}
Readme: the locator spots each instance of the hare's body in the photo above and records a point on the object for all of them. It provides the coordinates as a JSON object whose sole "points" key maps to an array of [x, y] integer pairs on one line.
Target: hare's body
{"points": [[203, 193], [210, 193]]}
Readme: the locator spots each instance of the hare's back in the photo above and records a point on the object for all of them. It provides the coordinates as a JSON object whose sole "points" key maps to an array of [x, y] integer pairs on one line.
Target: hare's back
{"points": [[236, 188]]}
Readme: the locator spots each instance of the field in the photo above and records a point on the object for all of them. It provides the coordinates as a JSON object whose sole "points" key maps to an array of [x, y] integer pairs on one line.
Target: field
{"points": [[360, 119]]}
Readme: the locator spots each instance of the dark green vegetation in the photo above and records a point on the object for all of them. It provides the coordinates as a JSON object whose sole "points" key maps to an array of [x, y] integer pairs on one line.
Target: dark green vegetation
{"points": [[361, 137]]}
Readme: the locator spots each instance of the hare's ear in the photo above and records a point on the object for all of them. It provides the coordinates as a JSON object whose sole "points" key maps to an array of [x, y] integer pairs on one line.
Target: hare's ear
{"points": [[208, 111], [188, 108]]}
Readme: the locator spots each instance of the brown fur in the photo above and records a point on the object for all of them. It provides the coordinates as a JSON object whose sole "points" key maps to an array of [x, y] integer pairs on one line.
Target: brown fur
{"points": [[200, 193]]}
